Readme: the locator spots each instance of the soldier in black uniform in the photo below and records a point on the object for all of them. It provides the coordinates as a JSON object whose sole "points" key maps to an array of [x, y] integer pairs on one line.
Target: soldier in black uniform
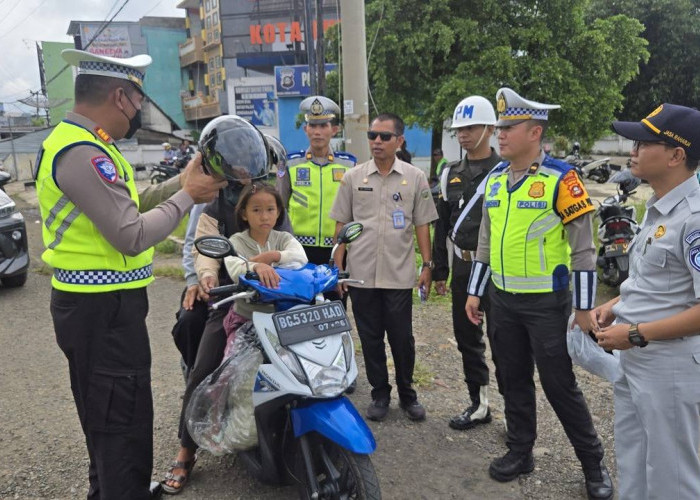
{"points": [[474, 120]]}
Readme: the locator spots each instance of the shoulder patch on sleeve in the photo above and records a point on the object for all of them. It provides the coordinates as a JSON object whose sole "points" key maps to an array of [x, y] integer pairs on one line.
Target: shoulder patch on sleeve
{"points": [[692, 237], [105, 168], [694, 257]]}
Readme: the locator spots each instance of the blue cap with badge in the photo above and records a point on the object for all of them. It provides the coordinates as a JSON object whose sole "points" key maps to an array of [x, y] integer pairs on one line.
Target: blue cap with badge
{"points": [[513, 109], [319, 109], [676, 125], [131, 68]]}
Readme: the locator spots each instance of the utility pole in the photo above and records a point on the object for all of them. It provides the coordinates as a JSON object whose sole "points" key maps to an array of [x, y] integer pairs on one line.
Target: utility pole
{"points": [[354, 66], [310, 49], [320, 49]]}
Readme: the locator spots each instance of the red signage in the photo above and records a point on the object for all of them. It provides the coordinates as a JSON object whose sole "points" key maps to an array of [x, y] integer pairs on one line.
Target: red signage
{"points": [[277, 32]]}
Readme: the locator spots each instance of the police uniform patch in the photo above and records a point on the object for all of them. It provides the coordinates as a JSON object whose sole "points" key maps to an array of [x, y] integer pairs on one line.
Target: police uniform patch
{"points": [[494, 189], [694, 258], [660, 231], [338, 174], [281, 172], [425, 194], [105, 168], [456, 180], [303, 177], [692, 237], [573, 184], [536, 190]]}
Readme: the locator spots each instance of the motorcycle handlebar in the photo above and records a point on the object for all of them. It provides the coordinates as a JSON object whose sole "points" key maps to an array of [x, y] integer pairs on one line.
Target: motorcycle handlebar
{"points": [[225, 289]]}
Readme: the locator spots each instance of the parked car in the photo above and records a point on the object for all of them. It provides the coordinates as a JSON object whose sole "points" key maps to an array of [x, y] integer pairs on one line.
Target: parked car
{"points": [[14, 257]]}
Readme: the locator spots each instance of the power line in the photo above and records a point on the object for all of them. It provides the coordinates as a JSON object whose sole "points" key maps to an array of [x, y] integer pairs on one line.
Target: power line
{"points": [[100, 30], [6, 14], [22, 20]]}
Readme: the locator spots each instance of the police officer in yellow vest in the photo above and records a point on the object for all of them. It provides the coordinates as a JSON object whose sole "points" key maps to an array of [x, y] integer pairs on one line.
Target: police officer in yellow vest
{"points": [[99, 243], [535, 238], [310, 182]]}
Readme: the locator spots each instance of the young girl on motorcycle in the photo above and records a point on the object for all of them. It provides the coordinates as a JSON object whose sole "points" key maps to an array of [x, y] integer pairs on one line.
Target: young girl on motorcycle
{"points": [[258, 210]]}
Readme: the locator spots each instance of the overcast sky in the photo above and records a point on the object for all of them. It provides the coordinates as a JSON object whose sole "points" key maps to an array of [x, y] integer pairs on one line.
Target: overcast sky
{"points": [[25, 22]]}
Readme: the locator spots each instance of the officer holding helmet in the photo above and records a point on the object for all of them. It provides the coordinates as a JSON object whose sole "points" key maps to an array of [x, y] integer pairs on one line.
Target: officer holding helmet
{"points": [[99, 241], [235, 149], [535, 238], [311, 180], [474, 120]]}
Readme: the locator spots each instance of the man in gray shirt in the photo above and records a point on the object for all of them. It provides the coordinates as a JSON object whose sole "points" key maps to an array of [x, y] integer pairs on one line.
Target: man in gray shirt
{"points": [[655, 320]]}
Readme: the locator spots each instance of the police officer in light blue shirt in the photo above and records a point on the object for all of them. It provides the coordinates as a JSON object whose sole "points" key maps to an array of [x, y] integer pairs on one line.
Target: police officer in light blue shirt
{"points": [[656, 319]]}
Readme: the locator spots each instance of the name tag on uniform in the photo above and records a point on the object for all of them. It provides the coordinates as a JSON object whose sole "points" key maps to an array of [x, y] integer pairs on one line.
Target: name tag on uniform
{"points": [[399, 219], [362, 188], [492, 203]]}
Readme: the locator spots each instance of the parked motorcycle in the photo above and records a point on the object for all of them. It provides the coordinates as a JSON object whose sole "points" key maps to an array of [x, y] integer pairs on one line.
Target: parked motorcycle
{"points": [[168, 169], [597, 170], [307, 431], [5, 178], [618, 226]]}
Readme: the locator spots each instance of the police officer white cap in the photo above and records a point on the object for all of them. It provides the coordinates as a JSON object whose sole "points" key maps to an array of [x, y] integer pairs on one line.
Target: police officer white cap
{"points": [[132, 69], [513, 109], [319, 109], [473, 110]]}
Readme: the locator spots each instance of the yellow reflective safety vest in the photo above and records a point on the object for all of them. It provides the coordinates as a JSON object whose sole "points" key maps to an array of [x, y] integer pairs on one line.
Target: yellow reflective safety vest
{"points": [[313, 190], [530, 250], [83, 260]]}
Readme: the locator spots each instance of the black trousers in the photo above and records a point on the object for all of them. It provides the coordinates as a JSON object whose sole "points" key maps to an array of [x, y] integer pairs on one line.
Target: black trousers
{"points": [[104, 338], [209, 357], [531, 328], [469, 337], [188, 329], [380, 310]]}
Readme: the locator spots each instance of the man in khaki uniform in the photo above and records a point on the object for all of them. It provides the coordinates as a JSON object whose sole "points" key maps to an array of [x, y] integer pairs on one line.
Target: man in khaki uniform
{"points": [[389, 197]]}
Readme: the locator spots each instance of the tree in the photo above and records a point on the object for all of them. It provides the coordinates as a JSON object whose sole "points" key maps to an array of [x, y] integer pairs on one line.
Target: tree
{"points": [[671, 74], [424, 57]]}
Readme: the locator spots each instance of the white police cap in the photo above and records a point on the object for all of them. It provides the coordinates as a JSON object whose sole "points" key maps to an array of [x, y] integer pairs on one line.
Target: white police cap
{"points": [[319, 109], [131, 68], [513, 109]]}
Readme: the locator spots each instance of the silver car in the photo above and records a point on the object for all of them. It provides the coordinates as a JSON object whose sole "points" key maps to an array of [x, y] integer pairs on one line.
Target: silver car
{"points": [[14, 258]]}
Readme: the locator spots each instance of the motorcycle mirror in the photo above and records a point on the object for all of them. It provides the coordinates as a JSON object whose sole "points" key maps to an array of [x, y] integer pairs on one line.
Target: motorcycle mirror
{"points": [[216, 247], [349, 232]]}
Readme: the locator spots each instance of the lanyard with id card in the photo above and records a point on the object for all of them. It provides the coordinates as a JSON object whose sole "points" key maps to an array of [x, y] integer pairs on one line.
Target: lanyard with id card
{"points": [[399, 219]]}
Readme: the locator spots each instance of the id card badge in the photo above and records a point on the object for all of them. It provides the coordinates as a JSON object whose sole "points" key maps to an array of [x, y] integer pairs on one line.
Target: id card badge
{"points": [[399, 219]]}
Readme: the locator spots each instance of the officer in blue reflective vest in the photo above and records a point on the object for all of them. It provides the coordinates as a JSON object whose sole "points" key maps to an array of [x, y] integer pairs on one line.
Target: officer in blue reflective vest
{"points": [[535, 233]]}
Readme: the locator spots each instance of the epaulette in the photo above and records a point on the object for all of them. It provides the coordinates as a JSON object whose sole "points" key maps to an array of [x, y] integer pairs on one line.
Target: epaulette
{"points": [[555, 164], [345, 159], [296, 158], [694, 202], [500, 167]]}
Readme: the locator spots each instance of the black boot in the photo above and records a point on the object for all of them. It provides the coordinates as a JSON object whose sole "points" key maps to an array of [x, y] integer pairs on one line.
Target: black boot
{"points": [[598, 483], [511, 465]]}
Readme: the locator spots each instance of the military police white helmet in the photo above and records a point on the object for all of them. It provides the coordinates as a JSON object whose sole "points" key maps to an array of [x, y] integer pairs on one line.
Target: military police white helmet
{"points": [[473, 110]]}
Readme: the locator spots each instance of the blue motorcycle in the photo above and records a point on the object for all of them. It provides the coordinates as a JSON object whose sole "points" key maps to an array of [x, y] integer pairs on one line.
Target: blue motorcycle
{"points": [[307, 431]]}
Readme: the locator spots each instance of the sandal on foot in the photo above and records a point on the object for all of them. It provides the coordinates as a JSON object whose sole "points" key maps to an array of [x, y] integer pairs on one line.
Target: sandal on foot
{"points": [[181, 479]]}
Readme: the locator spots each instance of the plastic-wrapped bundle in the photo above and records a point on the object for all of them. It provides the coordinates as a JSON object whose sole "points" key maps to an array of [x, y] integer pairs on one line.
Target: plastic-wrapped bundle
{"points": [[586, 353], [220, 413]]}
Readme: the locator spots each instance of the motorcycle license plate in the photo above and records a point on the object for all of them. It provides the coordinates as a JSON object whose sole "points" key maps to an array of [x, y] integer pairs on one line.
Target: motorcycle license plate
{"points": [[300, 325], [620, 248]]}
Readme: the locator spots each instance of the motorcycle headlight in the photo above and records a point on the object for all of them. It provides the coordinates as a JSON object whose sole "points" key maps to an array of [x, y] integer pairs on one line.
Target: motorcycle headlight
{"points": [[289, 359], [7, 209], [327, 381]]}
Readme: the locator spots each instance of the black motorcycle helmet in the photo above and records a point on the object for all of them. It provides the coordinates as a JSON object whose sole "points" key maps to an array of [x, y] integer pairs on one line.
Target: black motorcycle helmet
{"points": [[278, 154], [233, 148]]}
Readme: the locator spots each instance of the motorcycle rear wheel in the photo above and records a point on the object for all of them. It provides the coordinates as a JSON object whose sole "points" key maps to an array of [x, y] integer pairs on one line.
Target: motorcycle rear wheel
{"points": [[340, 473], [158, 178]]}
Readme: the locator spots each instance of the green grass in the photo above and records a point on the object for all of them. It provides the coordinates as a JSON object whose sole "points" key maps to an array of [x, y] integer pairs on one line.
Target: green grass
{"points": [[168, 272], [167, 247], [181, 228]]}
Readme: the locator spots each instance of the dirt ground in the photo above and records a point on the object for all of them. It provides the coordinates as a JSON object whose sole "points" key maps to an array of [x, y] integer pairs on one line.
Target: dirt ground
{"points": [[43, 454]]}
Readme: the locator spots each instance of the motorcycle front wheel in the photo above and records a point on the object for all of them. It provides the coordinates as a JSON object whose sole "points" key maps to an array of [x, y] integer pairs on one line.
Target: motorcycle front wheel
{"points": [[340, 473], [158, 178]]}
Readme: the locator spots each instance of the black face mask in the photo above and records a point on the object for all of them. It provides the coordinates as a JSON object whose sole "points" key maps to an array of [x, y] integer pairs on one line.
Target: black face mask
{"points": [[134, 122]]}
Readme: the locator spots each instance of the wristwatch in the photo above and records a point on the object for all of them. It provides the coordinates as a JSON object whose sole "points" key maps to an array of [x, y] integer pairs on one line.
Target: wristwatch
{"points": [[429, 264], [635, 337]]}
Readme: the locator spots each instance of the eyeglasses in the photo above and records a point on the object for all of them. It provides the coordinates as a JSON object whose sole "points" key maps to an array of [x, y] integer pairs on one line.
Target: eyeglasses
{"points": [[643, 144], [384, 136]]}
